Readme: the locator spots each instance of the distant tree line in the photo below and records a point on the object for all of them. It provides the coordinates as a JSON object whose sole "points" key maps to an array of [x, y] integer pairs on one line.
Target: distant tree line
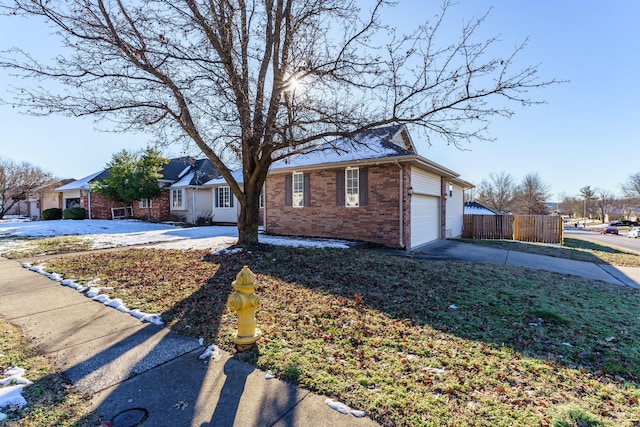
{"points": [[503, 193]]}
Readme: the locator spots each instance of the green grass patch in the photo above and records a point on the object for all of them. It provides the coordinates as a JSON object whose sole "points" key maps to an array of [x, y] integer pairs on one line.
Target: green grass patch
{"points": [[412, 342], [26, 248], [573, 416]]}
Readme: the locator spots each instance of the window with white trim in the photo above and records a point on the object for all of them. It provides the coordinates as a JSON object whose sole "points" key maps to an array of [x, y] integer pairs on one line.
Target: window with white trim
{"points": [[177, 199], [224, 198], [146, 203], [352, 192], [298, 190]]}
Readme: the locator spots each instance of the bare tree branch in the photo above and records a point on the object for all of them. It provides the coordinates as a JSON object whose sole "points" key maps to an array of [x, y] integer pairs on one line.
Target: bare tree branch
{"points": [[220, 74]]}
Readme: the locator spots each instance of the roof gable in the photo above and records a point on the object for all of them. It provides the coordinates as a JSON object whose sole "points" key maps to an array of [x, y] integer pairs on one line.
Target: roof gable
{"points": [[82, 183], [198, 172]]}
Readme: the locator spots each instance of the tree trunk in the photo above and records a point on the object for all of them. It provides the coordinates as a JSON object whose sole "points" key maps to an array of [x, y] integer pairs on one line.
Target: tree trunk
{"points": [[248, 219]]}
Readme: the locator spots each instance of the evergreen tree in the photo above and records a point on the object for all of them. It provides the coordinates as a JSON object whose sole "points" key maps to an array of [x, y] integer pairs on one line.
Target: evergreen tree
{"points": [[132, 177]]}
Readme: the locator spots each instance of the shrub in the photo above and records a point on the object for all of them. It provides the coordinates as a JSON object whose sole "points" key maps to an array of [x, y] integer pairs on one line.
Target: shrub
{"points": [[206, 218], [52, 213], [74, 213]]}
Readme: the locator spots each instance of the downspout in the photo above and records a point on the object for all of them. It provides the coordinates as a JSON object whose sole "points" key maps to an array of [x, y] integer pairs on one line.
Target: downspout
{"points": [[264, 206], [193, 205], [401, 216], [89, 202]]}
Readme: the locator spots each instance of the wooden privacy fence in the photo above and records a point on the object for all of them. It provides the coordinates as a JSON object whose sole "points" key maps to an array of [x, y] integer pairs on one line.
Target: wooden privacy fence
{"points": [[525, 228]]}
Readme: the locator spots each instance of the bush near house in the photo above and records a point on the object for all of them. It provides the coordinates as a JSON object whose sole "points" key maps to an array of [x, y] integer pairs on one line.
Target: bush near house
{"points": [[74, 213], [52, 213]]}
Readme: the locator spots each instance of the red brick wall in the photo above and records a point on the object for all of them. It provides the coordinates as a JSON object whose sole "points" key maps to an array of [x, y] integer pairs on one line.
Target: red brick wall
{"points": [[377, 222], [160, 208], [101, 207]]}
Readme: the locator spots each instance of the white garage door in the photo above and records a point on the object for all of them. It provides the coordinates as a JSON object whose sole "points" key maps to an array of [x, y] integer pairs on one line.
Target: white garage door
{"points": [[425, 219]]}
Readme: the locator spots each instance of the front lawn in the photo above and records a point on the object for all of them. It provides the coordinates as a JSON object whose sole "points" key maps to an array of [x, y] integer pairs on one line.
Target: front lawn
{"points": [[411, 342]]}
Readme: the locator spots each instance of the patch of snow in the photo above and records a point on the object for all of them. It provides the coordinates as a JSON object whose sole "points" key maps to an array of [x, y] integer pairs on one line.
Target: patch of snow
{"points": [[212, 352], [338, 406], [12, 394], [344, 409], [437, 371], [92, 292]]}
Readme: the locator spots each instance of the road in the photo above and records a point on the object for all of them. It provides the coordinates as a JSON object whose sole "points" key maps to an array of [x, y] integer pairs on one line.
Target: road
{"points": [[620, 241]]}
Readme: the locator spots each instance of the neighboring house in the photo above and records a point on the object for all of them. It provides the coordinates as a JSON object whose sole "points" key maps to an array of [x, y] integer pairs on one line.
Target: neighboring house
{"points": [[175, 203], [41, 198], [475, 208], [44, 198], [378, 190], [189, 200]]}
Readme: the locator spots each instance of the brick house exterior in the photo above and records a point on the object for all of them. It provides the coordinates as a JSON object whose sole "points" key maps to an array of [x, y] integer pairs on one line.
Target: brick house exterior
{"points": [[185, 172], [380, 191], [377, 221]]}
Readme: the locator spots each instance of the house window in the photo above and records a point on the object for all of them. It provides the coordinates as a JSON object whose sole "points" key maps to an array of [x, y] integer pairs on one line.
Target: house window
{"points": [[177, 199], [352, 188], [72, 203], [146, 203], [224, 197], [261, 199], [298, 190]]}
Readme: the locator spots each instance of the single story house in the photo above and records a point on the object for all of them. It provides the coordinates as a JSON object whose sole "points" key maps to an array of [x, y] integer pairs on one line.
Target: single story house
{"points": [[38, 200], [373, 188], [180, 182], [189, 201]]}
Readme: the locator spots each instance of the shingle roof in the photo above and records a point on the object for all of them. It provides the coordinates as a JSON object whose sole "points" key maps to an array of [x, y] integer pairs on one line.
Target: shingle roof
{"points": [[184, 170], [475, 208], [199, 172], [82, 183], [375, 143]]}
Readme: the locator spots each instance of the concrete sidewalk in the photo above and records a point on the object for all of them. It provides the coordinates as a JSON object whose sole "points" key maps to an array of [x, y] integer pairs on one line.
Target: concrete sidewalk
{"points": [[138, 371], [448, 249]]}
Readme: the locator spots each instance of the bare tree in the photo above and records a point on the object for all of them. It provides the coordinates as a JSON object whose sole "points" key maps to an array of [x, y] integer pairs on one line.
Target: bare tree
{"points": [[17, 181], [604, 200], [571, 205], [631, 187], [470, 195], [251, 83], [532, 196], [498, 192]]}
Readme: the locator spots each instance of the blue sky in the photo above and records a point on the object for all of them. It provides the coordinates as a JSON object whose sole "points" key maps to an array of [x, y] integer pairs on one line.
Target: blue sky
{"points": [[584, 135]]}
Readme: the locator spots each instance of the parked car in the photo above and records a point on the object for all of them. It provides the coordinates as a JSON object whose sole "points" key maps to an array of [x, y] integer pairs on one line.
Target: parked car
{"points": [[634, 232], [608, 229], [624, 223]]}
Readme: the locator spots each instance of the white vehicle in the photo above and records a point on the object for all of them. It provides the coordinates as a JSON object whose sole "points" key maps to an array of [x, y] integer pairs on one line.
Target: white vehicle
{"points": [[634, 232]]}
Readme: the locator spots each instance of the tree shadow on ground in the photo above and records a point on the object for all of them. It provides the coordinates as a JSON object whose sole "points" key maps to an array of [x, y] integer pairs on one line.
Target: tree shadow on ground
{"points": [[545, 315]]}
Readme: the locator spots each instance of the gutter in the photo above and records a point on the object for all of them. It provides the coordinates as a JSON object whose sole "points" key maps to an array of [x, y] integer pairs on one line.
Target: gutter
{"points": [[401, 216]]}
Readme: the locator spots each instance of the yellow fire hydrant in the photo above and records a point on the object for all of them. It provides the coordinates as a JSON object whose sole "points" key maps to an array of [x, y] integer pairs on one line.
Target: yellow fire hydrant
{"points": [[245, 302]]}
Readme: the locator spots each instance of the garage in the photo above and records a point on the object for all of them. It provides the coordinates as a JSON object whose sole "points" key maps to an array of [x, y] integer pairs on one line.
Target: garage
{"points": [[425, 219]]}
